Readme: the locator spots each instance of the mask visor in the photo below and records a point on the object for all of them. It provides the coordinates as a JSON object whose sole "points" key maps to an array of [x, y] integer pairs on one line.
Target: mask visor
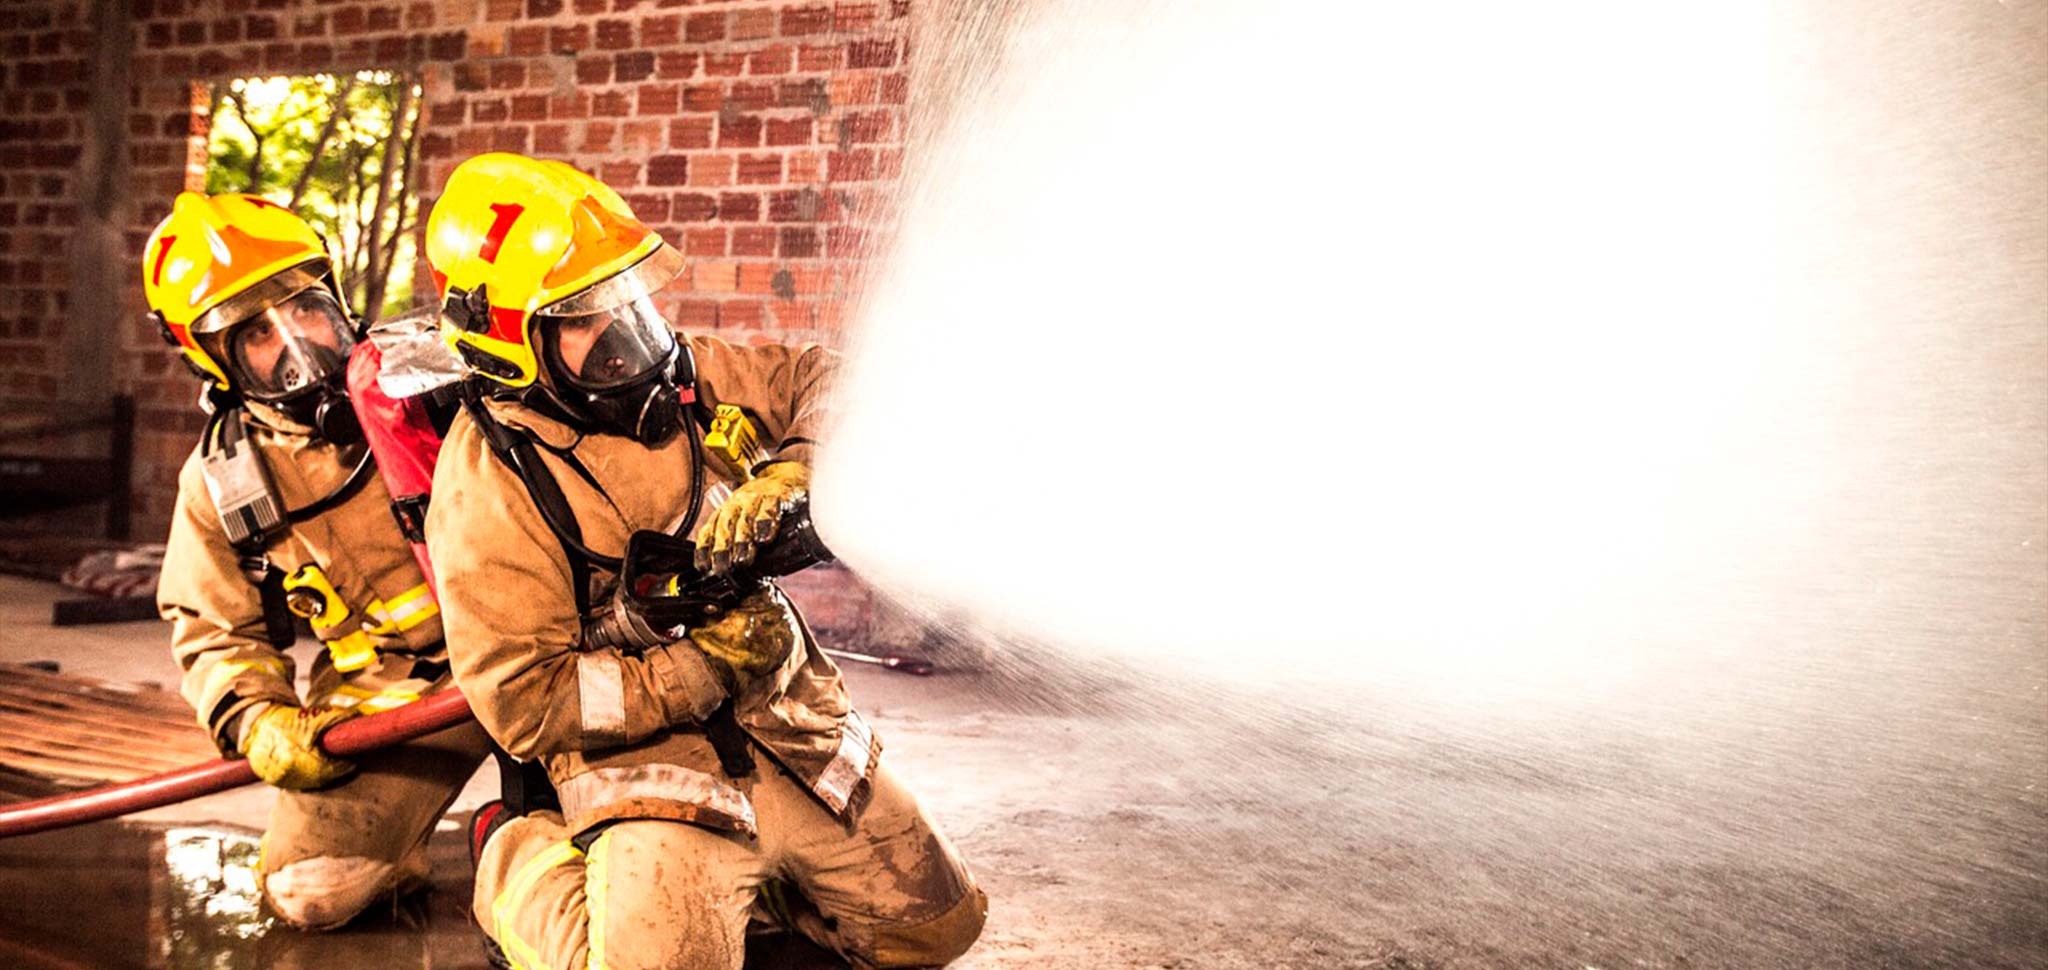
{"points": [[286, 347], [609, 348]]}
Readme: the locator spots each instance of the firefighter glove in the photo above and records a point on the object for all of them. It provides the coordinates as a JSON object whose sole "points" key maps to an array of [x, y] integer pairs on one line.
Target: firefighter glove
{"points": [[283, 745], [748, 518], [751, 639]]}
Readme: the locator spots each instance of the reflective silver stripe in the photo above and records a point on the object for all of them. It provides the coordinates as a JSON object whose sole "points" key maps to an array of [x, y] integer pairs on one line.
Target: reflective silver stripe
{"points": [[599, 787], [839, 779], [600, 682]]}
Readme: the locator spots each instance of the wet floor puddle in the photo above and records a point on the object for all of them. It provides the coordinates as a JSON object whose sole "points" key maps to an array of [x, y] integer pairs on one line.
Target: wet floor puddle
{"points": [[185, 897]]}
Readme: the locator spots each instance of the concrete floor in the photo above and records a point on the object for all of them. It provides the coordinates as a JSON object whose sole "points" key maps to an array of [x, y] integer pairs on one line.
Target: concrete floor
{"points": [[1121, 826]]}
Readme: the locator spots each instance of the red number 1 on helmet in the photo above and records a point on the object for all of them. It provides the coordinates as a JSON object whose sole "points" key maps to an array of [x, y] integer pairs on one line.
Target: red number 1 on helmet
{"points": [[507, 214]]}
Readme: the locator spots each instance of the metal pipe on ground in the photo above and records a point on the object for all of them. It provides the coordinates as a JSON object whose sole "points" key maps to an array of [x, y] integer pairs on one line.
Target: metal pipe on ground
{"points": [[348, 739]]}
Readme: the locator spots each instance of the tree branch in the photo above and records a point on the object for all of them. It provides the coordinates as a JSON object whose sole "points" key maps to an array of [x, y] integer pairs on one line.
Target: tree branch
{"points": [[335, 109]]}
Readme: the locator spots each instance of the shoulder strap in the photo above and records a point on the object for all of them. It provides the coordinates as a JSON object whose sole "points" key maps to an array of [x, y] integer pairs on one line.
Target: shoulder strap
{"points": [[517, 451]]}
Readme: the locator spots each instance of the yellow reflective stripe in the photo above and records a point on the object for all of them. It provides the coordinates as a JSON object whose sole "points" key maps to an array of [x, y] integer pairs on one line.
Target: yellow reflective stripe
{"points": [[218, 678], [594, 893], [404, 611], [371, 701], [522, 955], [352, 652]]}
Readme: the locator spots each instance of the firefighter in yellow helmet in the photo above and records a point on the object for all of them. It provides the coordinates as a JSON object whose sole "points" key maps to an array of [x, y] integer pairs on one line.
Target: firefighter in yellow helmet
{"points": [[702, 771], [281, 516]]}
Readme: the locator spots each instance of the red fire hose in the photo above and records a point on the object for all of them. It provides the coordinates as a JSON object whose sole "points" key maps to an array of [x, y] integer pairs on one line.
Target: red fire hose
{"points": [[347, 739]]}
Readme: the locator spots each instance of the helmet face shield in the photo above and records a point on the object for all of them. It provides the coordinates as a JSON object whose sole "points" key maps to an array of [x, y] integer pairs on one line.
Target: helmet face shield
{"points": [[607, 349], [285, 348]]}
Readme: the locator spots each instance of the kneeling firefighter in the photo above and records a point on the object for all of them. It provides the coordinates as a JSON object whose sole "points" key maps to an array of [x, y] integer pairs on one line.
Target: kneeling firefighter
{"points": [[281, 515], [702, 768]]}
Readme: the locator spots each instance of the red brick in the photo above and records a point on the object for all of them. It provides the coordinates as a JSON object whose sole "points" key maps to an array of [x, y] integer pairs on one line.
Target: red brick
{"points": [[695, 207], [598, 136], [725, 65], [708, 242], [551, 139], [794, 205], [753, 241], [633, 66], [845, 242], [648, 207], [743, 315], [712, 170], [769, 61], [538, 9], [383, 18], [753, 24], [739, 131], [447, 114], [750, 95], [852, 18], [452, 46], [668, 170], [895, 89], [503, 9], [791, 315], [660, 31], [703, 97], [789, 131], [854, 166], [614, 35], [739, 207], [757, 278], [704, 27], [760, 169], [489, 111], [689, 133], [853, 89], [658, 99], [871, 53], [593, 70], [610, 104], [676, 65], [866, 127], [527, 41], [643, 136], [812, 58], [569, 105], [508, 74], [511, 138], [529, 107], [806, 20], [799, 242], [699, 314], [570, 39]]}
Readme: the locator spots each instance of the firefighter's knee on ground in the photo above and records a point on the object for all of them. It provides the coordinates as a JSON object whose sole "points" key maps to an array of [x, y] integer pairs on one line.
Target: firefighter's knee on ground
{"points": [[324, 892], [934, 942]]}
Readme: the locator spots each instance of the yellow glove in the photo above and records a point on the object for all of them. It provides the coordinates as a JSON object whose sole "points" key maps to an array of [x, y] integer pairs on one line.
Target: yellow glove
{"points": [[283, 745], [751, 639], [749, 516]]}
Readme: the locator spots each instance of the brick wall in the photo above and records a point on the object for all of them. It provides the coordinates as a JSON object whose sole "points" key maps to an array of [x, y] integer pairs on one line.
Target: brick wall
{"points": [[759, 136], [43, 92]]}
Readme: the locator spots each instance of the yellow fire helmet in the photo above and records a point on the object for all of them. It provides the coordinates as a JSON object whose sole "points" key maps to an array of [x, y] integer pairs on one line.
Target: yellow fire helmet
{"points": [[512, 238], [216, 261]]}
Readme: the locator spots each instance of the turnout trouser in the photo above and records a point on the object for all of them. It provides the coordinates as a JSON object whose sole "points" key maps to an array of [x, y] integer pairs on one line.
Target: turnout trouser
{"points": [[887, 890], [329, 854]]}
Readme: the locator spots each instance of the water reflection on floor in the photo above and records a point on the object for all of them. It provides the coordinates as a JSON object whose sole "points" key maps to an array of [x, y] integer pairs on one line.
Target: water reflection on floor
{"points": [[184, 897]]}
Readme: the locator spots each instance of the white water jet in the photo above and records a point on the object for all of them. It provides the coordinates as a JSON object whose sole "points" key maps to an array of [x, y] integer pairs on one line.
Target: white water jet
{"points": [[1553, 353]]}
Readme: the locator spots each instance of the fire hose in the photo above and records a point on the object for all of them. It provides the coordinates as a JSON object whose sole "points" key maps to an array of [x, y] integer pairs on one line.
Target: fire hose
{"points": [[345, 740]]}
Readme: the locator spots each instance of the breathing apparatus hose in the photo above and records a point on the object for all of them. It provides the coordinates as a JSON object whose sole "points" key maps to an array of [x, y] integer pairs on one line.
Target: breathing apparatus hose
{"points": [[348, 739]]}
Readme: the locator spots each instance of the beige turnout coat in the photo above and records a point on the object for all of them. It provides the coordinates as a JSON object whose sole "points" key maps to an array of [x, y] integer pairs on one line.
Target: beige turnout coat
{"points": [[216, 612], [603, 722]]}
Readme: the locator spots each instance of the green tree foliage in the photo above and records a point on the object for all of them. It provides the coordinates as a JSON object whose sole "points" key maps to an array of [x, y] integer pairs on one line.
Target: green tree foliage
{"points": [[340, 151]]}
